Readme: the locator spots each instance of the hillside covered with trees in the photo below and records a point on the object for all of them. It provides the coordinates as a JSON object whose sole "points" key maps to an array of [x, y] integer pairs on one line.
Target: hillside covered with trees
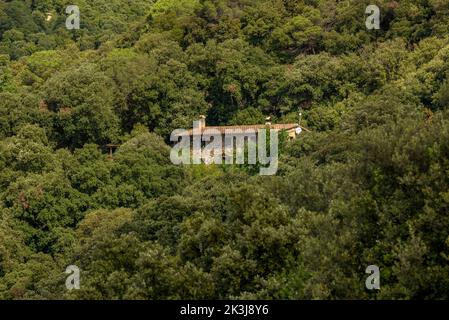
{"points": [[368, 185]]}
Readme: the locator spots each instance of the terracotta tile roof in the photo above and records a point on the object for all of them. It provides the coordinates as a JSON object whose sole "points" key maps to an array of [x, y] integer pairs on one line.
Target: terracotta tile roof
{"points": [[222, 129]]}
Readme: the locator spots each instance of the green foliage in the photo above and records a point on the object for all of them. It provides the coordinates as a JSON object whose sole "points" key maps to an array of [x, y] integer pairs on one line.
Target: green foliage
{"points": [[81, 101], [366, 184]]}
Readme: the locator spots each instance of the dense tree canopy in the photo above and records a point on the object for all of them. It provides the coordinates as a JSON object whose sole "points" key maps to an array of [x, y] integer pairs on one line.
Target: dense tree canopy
{"points": [[369, 184]]}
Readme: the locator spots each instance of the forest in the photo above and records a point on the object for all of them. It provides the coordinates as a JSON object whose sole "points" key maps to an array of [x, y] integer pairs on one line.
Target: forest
{"points": [[368, 185]]}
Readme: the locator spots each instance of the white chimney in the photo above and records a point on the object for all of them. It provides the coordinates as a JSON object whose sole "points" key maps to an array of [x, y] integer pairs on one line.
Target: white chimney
{"points": [[202, 122]]}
